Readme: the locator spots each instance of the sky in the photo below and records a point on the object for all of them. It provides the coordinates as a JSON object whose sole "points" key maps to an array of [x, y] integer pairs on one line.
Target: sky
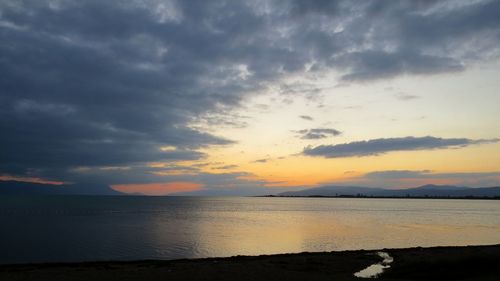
{"points": [[249, 97]]}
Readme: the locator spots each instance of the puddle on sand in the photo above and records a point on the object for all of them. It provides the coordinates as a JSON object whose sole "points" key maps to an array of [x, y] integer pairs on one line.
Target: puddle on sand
{"points": [[374, 270]]}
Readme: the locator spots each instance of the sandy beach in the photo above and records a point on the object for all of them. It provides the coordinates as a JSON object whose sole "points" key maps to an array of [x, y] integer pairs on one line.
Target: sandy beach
{"points": [[437, 263]]}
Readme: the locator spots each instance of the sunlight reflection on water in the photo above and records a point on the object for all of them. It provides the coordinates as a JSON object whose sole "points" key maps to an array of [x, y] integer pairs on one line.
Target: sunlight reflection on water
{"points": [[131, 228]]}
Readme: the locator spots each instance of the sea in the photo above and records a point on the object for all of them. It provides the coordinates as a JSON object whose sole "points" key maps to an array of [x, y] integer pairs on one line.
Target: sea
{"points": [[103, 228]]}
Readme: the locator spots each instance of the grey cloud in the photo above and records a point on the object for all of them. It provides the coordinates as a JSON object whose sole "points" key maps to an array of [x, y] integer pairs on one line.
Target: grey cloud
{"points": [[406, 97], [306, 117], [221, 119], [207, 164], [372, 65], [318, 133], [416, 37], [225, 167], [234, 183], [382, 146], [173, 168], [145, 174], [83, 87], [327, 7], [310, 91]]}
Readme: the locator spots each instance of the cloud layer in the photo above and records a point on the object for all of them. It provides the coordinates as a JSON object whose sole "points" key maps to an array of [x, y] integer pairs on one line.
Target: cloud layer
{"points": [[318, 133], [109, 83], [381, 146]]}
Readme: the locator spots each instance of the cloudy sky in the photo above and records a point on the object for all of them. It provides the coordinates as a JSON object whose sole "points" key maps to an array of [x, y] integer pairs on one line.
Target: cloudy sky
{"points": [[249, 97]]}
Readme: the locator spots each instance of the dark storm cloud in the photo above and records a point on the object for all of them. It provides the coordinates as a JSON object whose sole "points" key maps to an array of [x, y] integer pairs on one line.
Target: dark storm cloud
{"points": [[318, 133], [382, 146], [99, 83]]}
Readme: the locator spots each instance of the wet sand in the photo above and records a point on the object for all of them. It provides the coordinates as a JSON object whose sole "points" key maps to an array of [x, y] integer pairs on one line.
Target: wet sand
{"points": [[437, 263]]}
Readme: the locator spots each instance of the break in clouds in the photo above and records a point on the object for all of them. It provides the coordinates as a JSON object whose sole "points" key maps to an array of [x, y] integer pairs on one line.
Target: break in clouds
{"points": [[108, 83]]}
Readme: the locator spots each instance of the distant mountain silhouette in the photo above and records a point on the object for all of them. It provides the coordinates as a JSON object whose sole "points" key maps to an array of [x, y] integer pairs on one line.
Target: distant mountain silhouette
{"points": [[421, 191], [26, 188]]}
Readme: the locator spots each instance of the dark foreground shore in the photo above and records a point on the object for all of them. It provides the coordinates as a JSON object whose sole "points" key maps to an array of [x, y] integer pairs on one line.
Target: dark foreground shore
{"points": [[438, 263]]}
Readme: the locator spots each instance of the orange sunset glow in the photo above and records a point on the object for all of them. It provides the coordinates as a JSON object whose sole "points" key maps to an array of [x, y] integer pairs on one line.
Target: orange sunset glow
{"points": [[157, 188]]}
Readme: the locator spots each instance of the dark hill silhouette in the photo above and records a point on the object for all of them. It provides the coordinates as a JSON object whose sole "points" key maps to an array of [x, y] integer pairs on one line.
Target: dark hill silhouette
{"points": [[27, 188], [421, 191]]}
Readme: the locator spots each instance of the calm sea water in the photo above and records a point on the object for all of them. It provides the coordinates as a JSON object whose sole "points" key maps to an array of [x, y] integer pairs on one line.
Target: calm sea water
{"points": [[76, 228]]}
